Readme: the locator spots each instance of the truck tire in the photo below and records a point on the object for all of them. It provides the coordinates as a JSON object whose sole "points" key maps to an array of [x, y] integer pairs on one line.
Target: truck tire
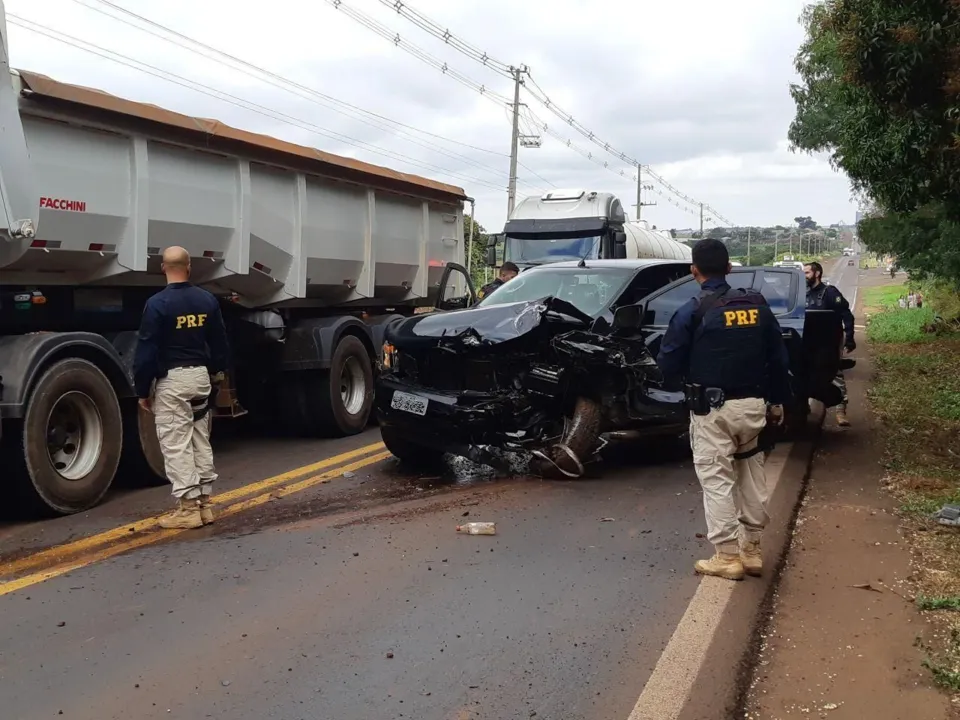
{"points": [[344, 395], [418, 457], [72, 439], [142, 462]]}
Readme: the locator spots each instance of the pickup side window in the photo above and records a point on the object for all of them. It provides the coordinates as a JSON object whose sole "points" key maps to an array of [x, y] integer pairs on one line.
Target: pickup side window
{"points": [[777, 288], [663, 306]]}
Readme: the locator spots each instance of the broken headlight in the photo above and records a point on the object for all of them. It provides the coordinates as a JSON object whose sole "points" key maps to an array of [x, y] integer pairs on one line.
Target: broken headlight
{"points": [[389, 356]]}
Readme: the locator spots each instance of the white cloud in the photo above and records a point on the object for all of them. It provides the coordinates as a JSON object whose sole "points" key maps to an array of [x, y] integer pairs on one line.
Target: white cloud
{"points": [[697, 89]]}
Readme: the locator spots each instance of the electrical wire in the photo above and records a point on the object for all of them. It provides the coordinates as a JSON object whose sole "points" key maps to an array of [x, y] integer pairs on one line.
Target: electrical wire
{"points": [[368, 117], [436, 30], [175, 79]]}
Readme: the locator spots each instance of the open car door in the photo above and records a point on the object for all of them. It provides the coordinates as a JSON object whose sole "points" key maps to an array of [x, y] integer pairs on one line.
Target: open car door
{"points": [[456, 289]]}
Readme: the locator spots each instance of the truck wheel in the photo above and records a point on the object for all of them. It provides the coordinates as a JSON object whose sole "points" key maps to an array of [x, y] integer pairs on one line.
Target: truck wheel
{"points": [[72, 438], [346, 392], [411, 454]]}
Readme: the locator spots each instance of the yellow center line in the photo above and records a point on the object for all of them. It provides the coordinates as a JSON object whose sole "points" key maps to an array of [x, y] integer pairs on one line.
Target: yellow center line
{"points": [[26, 581], [62, 552]]}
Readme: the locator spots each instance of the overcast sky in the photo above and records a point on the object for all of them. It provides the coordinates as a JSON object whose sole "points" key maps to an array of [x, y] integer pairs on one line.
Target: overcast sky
{"points": [[697, 89]]}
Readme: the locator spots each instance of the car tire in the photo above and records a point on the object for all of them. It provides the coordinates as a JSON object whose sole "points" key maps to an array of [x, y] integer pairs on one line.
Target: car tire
{"points": [[409, 453], [71, 440]]}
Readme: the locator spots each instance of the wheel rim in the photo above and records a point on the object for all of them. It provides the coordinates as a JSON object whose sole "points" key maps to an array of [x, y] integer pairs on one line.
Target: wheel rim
{"points": [[74, 435], [352, 386]]}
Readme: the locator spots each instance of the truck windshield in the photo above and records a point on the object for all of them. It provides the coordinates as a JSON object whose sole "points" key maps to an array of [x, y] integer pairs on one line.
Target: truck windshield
{"points": [[588, 289], [527, 251]]}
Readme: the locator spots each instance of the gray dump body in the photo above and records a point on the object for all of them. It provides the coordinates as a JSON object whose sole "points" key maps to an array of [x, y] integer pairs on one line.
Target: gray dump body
{"points": [[312, 254]]}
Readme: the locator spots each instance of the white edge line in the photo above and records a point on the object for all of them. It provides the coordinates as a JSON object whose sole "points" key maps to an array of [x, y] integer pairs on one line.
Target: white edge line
{"points": [[669, 685]]}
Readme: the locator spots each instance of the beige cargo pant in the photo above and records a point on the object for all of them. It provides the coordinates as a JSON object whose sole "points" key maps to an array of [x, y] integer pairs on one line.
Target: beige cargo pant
{"points": [[735, 492], [187, 453]]}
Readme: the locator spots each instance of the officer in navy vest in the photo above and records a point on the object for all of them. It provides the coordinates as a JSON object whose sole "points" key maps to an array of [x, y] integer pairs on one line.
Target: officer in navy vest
{"points": [[821, 296], [726, 346], [508, 271], [182, 353]]}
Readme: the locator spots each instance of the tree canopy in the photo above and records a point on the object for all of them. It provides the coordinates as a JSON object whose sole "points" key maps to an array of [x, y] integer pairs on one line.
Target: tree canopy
{"points": [[880, 92]]}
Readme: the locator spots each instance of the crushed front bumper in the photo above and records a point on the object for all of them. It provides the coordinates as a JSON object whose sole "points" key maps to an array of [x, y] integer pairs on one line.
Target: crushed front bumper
{"points": [[449, 422]]}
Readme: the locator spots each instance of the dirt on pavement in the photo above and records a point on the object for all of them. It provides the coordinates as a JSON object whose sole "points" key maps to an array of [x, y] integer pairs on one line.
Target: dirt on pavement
{"points": [[842, 639]]}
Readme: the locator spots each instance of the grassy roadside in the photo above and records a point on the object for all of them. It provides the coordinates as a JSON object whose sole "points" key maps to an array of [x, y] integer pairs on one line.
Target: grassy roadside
{"points": [[916, 394]]}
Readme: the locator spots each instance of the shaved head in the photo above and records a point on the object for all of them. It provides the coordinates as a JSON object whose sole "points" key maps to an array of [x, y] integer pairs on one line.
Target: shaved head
{"points": [[176, 255], [176, 264]]}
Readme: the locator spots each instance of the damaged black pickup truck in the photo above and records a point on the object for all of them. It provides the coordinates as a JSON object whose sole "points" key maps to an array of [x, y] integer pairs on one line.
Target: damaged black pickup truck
{"points": [[559, 361]]}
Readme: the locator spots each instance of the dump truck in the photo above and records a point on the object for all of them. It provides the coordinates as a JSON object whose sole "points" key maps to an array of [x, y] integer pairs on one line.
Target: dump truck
{"points": [[311, 254], [573, 224]]}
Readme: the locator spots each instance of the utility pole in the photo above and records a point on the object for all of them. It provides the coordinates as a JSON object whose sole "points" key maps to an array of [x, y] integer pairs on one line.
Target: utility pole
{"points": [[749, 232], [701, 221], [514, 143], [640, 188]]}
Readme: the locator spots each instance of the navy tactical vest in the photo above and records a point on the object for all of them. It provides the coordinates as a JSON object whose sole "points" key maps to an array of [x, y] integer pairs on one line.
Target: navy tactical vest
{"points": [[815, 297], [728, 346]]}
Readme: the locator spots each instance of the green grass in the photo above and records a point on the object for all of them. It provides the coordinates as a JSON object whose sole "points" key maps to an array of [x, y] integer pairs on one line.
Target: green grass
{"points": [[901, 326], [916, 394], [883, 296], [938, 603]]}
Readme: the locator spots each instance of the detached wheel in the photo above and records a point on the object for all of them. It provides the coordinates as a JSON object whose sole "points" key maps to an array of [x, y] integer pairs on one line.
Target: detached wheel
{"points": [[345, 393], [72, 438], [410, 454]]}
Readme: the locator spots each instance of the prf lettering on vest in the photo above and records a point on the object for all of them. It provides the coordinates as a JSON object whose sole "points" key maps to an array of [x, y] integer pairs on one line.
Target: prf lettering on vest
{"points": [[191, 321], [739, 318]]}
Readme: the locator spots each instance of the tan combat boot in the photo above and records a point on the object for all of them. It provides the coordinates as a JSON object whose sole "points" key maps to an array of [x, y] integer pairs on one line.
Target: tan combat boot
{"points": [[724, 565], [751, 558], [185, 517], [206, 510], [842, 420]]}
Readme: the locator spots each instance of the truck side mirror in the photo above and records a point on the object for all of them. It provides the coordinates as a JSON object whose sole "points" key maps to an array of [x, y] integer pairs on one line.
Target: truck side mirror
{"points": [[629, 317], [491, 259], [619, 246]]}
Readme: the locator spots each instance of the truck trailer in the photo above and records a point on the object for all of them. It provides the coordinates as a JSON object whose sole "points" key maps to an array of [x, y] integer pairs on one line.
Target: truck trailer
{"points": [[566, 225], [311, 254]]}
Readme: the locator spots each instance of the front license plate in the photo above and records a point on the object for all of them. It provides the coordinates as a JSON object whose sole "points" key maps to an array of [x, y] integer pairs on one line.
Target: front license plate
{"points": [[410, 403]]}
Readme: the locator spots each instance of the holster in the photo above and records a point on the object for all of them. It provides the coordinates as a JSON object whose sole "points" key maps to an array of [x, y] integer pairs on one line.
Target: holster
{"points": [[202, 405], [701, 400]]}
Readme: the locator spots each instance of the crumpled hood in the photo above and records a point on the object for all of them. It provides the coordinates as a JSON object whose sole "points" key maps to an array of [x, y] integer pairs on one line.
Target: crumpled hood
{"points": [[480, 326]]}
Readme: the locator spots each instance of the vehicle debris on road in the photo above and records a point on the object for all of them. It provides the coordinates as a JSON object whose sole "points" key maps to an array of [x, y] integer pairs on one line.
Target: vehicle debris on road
{"points": [[478, 528]]}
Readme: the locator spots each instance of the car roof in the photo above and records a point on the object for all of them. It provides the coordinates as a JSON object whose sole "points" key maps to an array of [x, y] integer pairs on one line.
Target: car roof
{"points": [[632, 264]]}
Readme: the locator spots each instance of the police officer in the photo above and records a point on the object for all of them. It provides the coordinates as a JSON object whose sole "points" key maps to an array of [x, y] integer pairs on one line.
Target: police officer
{"points": [[821, 296], [508, 271], [727, 347], [182, 343]]}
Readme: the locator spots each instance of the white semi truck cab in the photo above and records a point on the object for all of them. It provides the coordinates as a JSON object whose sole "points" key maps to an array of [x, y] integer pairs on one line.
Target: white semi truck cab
{"points": [[311, 254], [573, 224]]}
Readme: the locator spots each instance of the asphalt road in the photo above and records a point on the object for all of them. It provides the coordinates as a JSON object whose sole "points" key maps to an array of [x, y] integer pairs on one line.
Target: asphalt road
{"points": [[336, 586]]}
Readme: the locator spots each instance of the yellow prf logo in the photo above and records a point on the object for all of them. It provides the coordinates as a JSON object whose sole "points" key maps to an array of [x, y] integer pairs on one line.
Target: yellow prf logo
{"points": [[741, 317], [191, 321]]}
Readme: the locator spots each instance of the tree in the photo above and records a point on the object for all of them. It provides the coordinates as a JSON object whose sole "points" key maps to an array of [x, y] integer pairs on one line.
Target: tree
{"points": [[880, 91], [478, 249], [805, 222]]}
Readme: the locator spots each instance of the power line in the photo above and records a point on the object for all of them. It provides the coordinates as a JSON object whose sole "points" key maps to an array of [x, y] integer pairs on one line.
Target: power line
{"points": [[429, 26], [227, 97], [506, 69], [385, 32], [251, 70]]}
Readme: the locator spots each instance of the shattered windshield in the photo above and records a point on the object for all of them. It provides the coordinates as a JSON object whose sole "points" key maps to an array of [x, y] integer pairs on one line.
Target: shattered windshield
{"points": [[588, 289]]}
